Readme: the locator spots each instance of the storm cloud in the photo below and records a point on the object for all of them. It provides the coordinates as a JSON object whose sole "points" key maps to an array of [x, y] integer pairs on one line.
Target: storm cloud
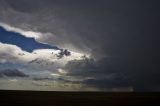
{"points": [[122, 37]]}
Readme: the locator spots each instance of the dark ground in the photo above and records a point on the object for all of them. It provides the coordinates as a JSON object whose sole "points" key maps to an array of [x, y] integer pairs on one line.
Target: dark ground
{"points": [[44, 98]]}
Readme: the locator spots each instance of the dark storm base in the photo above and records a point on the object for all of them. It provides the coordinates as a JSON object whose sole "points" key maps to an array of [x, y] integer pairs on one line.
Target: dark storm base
{"points": [[44, 98]]}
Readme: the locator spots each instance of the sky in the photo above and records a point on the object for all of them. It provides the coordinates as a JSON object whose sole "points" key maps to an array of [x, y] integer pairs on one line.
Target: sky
{"points": [[80, 45], [26, 44]]}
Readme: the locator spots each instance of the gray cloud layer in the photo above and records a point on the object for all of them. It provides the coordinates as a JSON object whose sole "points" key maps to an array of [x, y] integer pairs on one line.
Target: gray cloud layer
{"points": [[12, 73], [122, 34]]}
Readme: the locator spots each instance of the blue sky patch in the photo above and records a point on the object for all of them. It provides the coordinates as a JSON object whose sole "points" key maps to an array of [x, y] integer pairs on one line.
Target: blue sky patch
{"points": [[26, 44]]}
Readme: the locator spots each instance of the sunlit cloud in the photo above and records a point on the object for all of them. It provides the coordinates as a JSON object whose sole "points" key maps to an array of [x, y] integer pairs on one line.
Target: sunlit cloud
{"points": [[29, 34], [44, 58]]}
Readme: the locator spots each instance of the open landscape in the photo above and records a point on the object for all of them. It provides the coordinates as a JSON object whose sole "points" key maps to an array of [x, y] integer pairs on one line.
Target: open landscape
{"points": [[79, 53], [44, 98]]}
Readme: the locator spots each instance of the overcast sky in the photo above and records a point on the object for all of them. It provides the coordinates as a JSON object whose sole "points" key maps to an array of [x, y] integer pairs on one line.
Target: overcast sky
{"points": [[108, 45]]}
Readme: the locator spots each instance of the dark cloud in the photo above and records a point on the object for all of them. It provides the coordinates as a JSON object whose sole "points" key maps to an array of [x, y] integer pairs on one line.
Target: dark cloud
{"points": [[122, 36], [107, 74], [25, 5], [63, 52], [101, 74], [105, 84], [12, 73]]}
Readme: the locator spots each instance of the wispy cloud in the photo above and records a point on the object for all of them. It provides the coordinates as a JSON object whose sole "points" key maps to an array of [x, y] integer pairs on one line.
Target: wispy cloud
{"points": [[30, 34]]}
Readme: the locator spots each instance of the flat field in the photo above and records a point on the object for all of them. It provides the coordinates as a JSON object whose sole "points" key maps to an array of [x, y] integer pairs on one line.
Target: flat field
{"points": [[52, 98]]}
